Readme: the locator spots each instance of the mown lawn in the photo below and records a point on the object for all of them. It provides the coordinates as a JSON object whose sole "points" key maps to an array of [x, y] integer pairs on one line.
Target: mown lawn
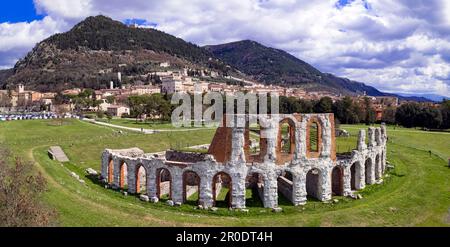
{"points": [[158, 125], [416, 192]]}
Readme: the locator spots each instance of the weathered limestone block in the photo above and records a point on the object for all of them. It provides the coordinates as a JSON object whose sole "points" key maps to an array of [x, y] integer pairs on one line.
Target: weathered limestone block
{"points": [[362, 140], [238, 187], [299, 188], [270, 190], [327, 132], [237, 148], [378, 137], [177, 186], [371, 135], [325, 184]]}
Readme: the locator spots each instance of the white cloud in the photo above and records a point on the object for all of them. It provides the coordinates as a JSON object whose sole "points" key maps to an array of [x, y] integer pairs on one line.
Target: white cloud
{"points": [[393, 45], [16, 39]]}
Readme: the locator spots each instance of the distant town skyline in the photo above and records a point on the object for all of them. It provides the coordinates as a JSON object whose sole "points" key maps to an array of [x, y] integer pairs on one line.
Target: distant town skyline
{"points": [[395, 46]]}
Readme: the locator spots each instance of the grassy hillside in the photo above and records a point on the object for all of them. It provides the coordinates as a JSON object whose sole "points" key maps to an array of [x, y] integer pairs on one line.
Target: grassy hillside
{"points": [[414, 194]]}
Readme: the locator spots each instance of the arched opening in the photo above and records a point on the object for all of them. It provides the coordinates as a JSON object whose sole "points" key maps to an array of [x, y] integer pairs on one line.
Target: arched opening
{"points": [[337, 181], [287, 138], [163, 184], [141, 179], [191, 187], [369, 167], [254, 193], [313, 140], [313, 184], [286, 141], [285, 184], [110, 171], [254, 139], [377, 167], [123, 175], [355, 171], [222, 188]]}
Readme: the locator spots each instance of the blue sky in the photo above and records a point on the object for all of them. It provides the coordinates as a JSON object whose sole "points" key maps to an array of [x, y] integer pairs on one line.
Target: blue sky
{"points": [[396, 46], [18, 11]]}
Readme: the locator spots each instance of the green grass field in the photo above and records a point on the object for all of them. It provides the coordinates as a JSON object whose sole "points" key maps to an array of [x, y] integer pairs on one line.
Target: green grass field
{"points": [[127, 122], [416, 193]]}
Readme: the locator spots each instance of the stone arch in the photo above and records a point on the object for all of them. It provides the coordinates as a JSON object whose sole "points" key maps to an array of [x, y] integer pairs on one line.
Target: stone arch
{"points": [[219, 181], [314, 183], [377, 167], [255, 181], [313, 138], [285, 141], [337, 181], [123, 174], [191, 185], [140, 175], [368, 171], [355, 173], [110, 170], [163, 183], [255, 149], [285, 185]]}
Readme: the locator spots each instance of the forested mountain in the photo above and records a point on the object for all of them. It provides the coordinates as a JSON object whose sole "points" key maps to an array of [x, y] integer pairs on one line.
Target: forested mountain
{"points": [[274, 66], [93, 51]]}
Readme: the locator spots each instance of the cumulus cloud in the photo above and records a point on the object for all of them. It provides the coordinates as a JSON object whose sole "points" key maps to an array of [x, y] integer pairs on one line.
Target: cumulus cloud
{"points": [[16, 39], [394, 45]]}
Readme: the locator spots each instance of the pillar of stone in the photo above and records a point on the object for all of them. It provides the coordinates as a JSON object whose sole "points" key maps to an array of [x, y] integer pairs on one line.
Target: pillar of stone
{"points": [[299, 189], [383, 131], [105, 161], [131, 177], [237, 146], [270, 199], [380, 164], [371, 135], [361, 182], [327, 133], [362, 140], [347, 181], [116, 172], [205, 191], [378, 137], [238, 190], [270, 133], [326, 192], [371, 178], [151, 183], [177, 186]]}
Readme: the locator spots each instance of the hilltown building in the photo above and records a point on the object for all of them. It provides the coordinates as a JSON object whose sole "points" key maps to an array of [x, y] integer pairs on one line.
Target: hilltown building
{"points": [[296, 157], [19, 97]]}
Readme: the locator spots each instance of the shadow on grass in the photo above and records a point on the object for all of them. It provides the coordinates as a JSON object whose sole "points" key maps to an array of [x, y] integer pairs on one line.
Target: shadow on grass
{"points": [[253, 200]]}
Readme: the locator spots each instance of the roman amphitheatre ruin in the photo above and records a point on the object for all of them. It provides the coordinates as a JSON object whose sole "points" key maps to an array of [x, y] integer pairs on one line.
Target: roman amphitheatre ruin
{"points": [[296, 157]]}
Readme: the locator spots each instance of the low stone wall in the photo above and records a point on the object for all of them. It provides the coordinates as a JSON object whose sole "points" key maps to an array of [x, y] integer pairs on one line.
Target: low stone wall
{"points": [[285, 187], [165, 188], [188, 157]]}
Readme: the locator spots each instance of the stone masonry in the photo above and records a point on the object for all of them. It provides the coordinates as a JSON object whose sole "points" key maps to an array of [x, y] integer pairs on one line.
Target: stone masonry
{"points": [[297, 172]]}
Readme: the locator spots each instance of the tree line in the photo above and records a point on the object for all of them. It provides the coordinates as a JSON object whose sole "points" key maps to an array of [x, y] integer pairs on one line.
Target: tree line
{"points": [[346, 110]]}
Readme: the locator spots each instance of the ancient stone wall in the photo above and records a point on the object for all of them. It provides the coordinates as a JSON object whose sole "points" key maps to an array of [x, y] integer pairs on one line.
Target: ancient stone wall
{"points": [[310, 171]]}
